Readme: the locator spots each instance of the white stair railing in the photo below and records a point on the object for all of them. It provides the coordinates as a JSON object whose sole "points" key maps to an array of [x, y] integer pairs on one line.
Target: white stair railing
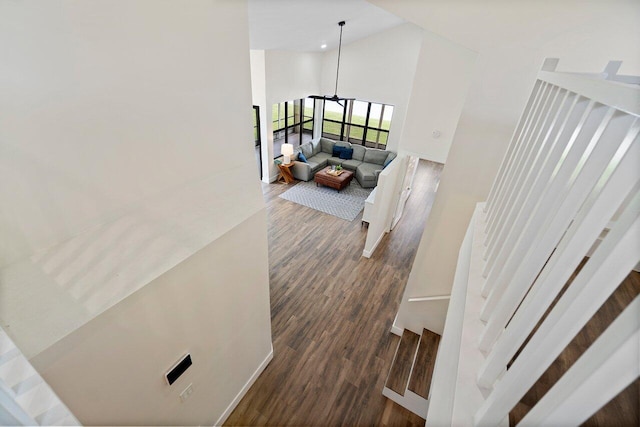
{"points": [[570, 172]]}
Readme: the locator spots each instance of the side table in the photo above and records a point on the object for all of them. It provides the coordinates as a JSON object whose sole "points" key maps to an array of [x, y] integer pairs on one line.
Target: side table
{"points": [[285, 173]]}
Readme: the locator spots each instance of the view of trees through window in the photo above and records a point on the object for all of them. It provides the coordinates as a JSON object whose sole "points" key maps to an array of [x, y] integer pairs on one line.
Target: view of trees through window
{"points": [[359, 122]]}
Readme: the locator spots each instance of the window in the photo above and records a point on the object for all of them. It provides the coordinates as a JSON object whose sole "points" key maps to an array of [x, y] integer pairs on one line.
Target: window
{"points": [[292, 123], [256, 137], [256, 125], [332, 120], [359, 122], [307, 115]]}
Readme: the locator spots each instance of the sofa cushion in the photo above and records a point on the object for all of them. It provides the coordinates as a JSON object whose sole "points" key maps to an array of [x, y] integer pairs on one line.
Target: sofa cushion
{"points": [[326, 145], [315, 143], [358, 152], [350, 164], [321, 157], [375, 156], [346, 154], [307, 149], [315, 166], [334, 161], [367, 172]]}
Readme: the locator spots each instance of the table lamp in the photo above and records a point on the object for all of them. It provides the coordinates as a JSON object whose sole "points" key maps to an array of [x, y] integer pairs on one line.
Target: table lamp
{"points": [[287, 152]]}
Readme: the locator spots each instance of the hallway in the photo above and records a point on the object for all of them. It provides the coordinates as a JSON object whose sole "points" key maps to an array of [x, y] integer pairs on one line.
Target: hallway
{"points": [[331, 312]]}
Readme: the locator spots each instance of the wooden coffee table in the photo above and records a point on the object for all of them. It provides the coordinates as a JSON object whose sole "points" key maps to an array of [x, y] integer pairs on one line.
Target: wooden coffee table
{"points": [[338, 182]]}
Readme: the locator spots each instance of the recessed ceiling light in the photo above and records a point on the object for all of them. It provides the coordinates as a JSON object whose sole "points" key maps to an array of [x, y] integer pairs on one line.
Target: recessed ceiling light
{"points": [[323, 46]]}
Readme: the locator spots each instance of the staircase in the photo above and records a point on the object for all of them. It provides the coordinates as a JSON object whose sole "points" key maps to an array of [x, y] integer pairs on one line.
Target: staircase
{"points": [[25, 398], [409, 378]]}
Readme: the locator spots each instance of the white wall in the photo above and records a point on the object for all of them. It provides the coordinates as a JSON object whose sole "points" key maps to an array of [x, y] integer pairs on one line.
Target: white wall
{"points": [[287, 76], [111, 370], [116, 120], [379, 69], [259, 98], [291, 75], [440, 86], [512, 39]]}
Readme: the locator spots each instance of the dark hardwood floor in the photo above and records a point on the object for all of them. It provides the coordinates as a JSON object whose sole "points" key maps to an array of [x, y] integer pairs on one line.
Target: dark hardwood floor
{"points": [[331, 313], [624, 409]]}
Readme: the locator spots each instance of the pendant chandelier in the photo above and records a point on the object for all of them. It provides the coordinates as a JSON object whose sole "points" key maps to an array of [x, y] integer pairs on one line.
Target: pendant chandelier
{"points": [[335, 96]]}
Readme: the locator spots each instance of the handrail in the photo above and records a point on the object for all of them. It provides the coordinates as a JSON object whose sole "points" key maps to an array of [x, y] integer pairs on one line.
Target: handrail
{"points": [[432, 298]]}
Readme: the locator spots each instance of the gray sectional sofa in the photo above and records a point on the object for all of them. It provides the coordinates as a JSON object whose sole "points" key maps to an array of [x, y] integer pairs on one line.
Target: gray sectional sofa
{"points": [[365, 163]]}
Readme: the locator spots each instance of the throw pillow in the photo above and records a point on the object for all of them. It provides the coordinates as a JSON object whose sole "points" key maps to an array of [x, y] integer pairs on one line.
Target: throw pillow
{"points": [[387, 163], [302, 158], [337, 150], [306, 149], [346, 153]]}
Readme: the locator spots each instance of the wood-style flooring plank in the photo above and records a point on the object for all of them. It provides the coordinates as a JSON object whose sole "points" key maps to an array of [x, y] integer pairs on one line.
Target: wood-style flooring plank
{"points": [[425, 362], [331, 314], [401, 366], [624, 409]]}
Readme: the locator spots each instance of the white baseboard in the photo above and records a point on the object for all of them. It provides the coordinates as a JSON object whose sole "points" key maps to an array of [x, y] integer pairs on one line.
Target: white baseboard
{"points": [[368, 253], [244, 389], [397, 330]]}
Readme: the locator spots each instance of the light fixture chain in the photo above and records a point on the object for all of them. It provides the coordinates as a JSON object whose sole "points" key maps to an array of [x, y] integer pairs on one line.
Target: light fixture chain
{"points": [[341, 23]]}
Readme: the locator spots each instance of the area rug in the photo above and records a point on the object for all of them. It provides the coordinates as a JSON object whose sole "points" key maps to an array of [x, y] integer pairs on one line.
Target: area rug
{"points": [[346, 204]]}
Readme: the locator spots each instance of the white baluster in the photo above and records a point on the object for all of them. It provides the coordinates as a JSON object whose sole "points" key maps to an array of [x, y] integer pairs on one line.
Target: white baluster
{"points": [[611, 262], [601, 373], [498, 182], [535, 242], [610, 135], [612, 190], [525, 177], [513, 169]]}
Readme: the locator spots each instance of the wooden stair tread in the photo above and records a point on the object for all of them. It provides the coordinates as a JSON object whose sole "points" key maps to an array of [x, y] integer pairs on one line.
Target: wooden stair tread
{"points": [[401, 366], [424, 364]]}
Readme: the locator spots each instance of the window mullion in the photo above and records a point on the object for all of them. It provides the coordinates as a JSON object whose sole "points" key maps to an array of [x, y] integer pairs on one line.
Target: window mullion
{"points": [[366, 125], [286, 124], [380, 127], [344, 118]]}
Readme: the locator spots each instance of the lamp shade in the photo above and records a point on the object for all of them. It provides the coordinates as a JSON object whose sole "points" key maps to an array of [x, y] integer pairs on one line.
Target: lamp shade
{"points": [[287, 152]]}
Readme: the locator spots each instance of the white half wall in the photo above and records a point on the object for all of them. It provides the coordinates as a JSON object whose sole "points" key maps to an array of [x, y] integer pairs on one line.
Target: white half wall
{"points": [[111, 370], [380, 68], [126, 226], [387, 196]]}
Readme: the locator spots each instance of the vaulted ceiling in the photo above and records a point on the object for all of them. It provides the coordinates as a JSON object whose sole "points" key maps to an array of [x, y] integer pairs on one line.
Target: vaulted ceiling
{"points": [[305, 25]]}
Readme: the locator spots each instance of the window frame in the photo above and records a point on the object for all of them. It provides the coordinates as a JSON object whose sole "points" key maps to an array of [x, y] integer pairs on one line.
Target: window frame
{"points": [[347, 123]]}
